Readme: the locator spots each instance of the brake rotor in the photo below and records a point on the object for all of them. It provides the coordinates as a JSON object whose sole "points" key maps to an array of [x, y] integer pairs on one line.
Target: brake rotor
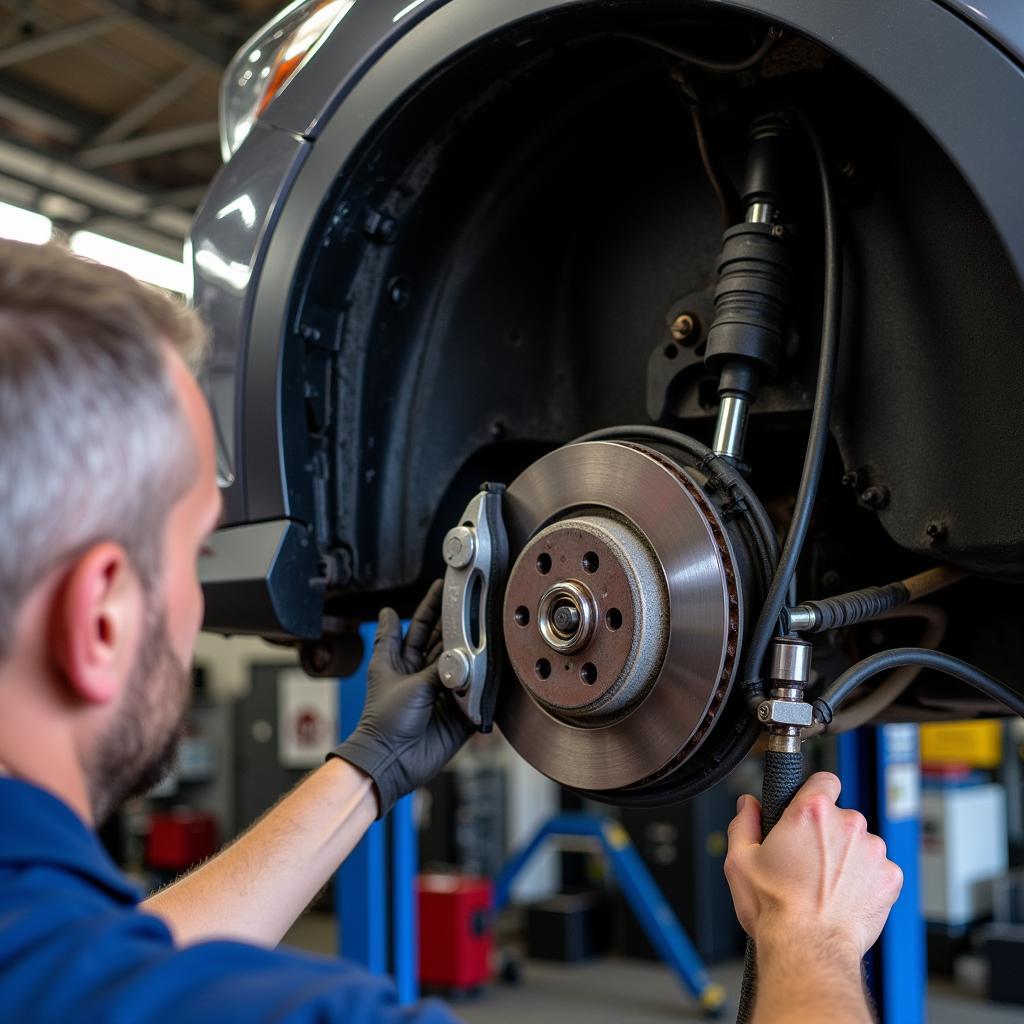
{"points": [[623, 616]]}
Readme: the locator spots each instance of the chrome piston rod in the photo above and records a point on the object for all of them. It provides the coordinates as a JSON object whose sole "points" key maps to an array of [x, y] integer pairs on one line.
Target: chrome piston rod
{"points": [[731, 427]]}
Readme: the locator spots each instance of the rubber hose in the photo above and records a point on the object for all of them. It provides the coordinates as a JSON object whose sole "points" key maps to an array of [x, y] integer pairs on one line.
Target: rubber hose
{"points": [[826, 705], [859, 712], [849, 609], [765, 562], [783, 775]]}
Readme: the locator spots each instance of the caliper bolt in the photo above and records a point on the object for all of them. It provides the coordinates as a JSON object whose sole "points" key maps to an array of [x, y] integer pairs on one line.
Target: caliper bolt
{"points": [[453, 668], [459, 547]]}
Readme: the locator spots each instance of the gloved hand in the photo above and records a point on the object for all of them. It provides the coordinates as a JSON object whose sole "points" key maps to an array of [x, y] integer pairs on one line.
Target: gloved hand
{"points": [[411, 726]]}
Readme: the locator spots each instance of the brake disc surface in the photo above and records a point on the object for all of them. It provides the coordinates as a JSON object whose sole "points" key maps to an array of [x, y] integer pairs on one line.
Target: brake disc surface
{"points": [[622, 616]]}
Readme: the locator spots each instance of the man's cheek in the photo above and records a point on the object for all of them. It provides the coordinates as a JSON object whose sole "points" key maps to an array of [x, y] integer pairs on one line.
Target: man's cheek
{"points": [[199, 606], [185, 614]]}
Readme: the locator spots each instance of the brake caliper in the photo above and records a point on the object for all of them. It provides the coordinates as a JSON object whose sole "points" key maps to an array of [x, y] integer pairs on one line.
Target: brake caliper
{"points": [[476, 553]]}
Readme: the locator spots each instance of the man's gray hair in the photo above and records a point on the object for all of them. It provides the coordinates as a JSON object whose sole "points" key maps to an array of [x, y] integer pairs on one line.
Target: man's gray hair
{"points": [[93, 443]]}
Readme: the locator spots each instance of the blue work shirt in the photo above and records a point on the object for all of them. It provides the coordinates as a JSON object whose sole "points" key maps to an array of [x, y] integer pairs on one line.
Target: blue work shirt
{"points": [[75, 947]]}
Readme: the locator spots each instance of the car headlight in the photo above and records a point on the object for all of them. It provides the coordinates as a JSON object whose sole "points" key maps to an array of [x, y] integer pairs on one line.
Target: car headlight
{"points": [[268, 61]]}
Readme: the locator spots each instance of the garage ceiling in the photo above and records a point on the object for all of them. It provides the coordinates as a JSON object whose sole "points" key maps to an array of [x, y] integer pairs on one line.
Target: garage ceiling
{"points": [[108, 109]]}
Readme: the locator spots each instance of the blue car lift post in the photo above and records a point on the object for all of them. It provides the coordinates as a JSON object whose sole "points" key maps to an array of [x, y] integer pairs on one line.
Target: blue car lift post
{"points": [[361, 883], [880, 773], [645, 898]]}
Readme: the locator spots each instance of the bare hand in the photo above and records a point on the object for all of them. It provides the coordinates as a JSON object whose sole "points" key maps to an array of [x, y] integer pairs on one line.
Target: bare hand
{"points": [[820, 877]]}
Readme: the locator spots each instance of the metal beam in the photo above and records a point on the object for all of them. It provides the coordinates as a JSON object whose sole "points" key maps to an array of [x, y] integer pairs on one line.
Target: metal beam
{"points": [[58, 39], [32, 117], [188, 197], [42, 113], [170, 220], [150, 145], [137, 233], [197, 43], [149, 106], [40, 171], [50, 173]]}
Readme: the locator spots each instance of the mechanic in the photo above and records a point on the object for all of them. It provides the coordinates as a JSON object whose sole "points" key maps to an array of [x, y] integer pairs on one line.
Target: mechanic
{"points": [[108, 491]]}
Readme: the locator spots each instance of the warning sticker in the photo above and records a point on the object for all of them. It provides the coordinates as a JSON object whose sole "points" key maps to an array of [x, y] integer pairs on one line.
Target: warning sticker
{"points": [[902, 791]]}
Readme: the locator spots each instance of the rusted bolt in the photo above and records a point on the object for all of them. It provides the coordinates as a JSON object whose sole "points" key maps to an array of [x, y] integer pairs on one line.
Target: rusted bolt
{"points": [[875, 496], [684, 326]]}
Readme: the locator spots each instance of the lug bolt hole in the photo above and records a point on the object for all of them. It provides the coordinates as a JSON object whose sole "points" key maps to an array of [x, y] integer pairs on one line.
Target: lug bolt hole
{"points": [[589, 674], [543, 563], [613, 618], [542, 668], [591, 562], [522, 616]]}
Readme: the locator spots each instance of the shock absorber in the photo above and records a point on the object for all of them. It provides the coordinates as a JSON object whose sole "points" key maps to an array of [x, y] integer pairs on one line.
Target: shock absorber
{"points": [[754, 290]]}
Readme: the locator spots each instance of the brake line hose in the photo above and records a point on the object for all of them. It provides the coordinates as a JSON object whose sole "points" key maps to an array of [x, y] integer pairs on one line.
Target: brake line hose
{"points": [[814, 458], [859, 712], [826, 705], [865, 604]]}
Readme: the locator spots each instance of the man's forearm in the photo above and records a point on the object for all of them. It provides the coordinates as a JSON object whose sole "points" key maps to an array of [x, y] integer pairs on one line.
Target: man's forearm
{"points": [[800, 979], [256, 888]]}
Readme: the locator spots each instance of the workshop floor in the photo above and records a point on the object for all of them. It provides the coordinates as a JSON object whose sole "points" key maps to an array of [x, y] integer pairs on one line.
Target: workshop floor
{"points": [[619, 991]]}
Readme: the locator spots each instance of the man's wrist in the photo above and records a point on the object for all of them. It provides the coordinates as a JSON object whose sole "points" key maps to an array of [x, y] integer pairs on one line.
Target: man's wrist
{"points": [[362, 782], [369, 757], [781, 937], [806, 972]]}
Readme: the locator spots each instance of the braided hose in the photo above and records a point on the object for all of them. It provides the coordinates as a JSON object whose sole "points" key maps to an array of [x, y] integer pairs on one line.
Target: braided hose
{"points": [[849, 609], [867, 603], [783, 774]]}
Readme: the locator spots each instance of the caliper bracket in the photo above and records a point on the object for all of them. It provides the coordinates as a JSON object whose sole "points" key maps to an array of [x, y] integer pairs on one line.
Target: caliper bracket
{"points": [[476, 553]]}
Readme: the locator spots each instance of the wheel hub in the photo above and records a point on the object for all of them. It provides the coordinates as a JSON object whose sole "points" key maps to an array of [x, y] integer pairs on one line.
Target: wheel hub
{"points": [[585, 624], [622, 616]]}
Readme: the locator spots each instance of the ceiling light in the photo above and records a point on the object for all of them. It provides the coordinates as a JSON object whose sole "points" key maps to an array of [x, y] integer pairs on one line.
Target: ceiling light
{"points": [[140, 263], [24, 225]]}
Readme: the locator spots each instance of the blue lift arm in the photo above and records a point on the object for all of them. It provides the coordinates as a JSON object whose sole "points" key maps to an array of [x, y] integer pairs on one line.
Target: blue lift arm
{"points": [[361, 889], [645, 898]]}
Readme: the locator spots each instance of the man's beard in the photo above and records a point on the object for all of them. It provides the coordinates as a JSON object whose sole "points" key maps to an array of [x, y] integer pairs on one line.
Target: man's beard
{"points": [[140, 747]]}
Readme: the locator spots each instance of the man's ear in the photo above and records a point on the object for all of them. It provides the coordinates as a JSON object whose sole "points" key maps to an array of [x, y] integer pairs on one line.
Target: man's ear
{"points": [[97, 622]]}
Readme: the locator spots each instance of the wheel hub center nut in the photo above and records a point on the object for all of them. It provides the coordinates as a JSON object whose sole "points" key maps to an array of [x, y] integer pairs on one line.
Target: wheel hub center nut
{"points": [[566, 614], [566, 619]]}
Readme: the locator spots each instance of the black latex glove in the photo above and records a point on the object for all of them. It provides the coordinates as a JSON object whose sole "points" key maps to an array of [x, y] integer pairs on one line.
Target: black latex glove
{"points": [[411, 725]]}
